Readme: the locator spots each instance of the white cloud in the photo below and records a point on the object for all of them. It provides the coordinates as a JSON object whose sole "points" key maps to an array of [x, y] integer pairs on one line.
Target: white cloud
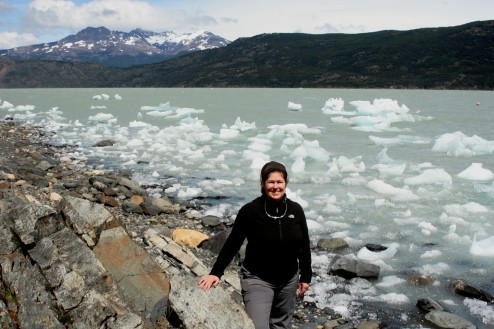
{"points": [[14, 39], [121, 15]]}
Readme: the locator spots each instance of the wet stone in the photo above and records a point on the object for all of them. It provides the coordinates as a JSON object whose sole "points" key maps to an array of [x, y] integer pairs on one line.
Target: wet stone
{"points": [[44, 165], [131, 208], [375, 247], [428, 304], [332, 244], [104, 143], [210, 221]]}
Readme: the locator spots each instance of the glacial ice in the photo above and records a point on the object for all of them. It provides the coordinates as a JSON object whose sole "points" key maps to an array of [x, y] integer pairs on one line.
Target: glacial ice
{"points": [[483, 247], [395, 193], [436, 176], [458, 144], [294, 106], [476, 172]]}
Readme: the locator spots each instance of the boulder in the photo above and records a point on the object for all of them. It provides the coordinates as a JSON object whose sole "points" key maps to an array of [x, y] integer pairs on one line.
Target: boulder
{"points": [[216, 242], [149, 209], [206, 310], [166, 206], [348, 268], [448, 320], [84, 216], [375, 247], [421, 280], [25, 215], [135, 271], [137, 200], [108, 201], [104, 143], [188, 237], [44, 165], [428, 305], [131, 185], [5, 321], [211, 221], [462, 288], [369, 324], [130, 207], [332, 244], [36, 309]]}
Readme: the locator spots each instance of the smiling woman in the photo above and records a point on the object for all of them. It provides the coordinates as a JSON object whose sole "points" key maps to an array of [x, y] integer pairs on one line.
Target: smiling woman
{"points": [[277, 265]]}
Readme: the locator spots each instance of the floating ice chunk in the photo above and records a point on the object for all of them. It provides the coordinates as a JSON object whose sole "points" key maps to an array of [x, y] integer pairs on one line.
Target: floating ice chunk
{"points": [[98, 107], [6, 105], [445, 219], [431, 254], [159, 114], [335, 106], [294, 106], [481, 309], [243, 125], [476, 172], [399, 140], [465, 210], [101, 97], [189, 192], [380, 105], [350, 165], [227, 133], [434, 269], [22, 108], [394, 298], [386, 170], [383, 157], [396, 194], [298, 166], [458, 144], [117, 97], [436, 176], [314, 226], [310, 149], [184, 112], [366, 254], [389, 281], [483, 247], [103, 117], [138, 124], [162, 107]]}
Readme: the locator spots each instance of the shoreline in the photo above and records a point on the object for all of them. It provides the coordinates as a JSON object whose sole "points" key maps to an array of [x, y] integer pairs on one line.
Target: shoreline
{"points": [[40, 169]]}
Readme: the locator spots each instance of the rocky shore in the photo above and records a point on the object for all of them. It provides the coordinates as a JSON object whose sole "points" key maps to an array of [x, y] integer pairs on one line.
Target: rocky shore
{"points": [[84, 248]]}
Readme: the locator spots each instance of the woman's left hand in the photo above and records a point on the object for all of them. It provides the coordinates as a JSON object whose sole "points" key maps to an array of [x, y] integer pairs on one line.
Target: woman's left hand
{"points": [[302, 288]]}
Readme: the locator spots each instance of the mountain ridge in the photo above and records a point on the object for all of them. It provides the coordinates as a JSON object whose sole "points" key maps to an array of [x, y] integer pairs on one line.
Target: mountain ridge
{"points": [[458, 57], [100, 45]]}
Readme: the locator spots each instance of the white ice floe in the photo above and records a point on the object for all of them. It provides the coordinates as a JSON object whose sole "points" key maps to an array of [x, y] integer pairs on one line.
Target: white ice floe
{"points": [[101, 97], [294, 106], [334, 106], [117, 97], [366, 254], [399, 140], [480, 309], [394, 298], [465, 210], [22, 108], [386, 170], [103, 117], [243, 125], [427, 228], [389, 281], [434, 269], [435, 176], [227, 133], [98, 107], [458, 144], [476, 172], [394, 193], [483, 247], [6, 105], [431, 254]]}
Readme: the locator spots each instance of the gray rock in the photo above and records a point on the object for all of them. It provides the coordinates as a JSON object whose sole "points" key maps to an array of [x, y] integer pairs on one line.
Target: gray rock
{"points": [[448, 320], [104, 143], [93, 312], [25, 216], [211, 221], [126, 321], [348, 268], [5, 321], [71, 184], [206, 310], [375, 247], [166, 206], [44, 165], [149, 209], [429, 304], [332, 243], [463, 288], [131, 185], [134, 270], [70, 293], [130, 207], [99, 185], [84, 216], [26, 283], [369, 324], [216, 242], [9, 243]]}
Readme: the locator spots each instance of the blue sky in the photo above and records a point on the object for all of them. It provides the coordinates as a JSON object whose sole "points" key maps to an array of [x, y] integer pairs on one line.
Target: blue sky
{"points": [[24, 22]]}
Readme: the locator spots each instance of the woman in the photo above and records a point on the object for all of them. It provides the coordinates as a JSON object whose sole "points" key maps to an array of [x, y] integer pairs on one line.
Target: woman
{"points": [[277, 264]]}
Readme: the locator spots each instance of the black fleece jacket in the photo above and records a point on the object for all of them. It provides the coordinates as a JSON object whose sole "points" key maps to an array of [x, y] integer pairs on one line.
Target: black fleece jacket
{"points": [[276, 248]]}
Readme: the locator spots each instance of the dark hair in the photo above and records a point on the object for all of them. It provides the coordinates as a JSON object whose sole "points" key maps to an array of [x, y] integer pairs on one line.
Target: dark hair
{"points": [[268, 168]]}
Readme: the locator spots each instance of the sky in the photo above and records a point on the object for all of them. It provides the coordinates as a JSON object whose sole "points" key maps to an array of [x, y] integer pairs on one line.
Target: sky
{"points": [[27, 22]]}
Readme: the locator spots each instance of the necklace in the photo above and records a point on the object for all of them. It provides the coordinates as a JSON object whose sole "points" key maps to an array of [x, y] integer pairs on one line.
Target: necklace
{"points": [[275, 217]]}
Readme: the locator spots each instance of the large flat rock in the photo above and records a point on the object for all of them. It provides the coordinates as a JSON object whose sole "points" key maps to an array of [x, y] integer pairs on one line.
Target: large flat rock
{"points": [[140, 280], [213, 309]]}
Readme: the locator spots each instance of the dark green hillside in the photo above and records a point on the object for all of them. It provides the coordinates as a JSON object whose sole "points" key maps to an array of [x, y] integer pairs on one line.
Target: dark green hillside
{"points": [[460, 57]]}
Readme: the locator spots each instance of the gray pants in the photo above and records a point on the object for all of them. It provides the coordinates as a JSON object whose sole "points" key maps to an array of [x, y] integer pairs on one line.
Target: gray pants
{"points": [[270, 306]]}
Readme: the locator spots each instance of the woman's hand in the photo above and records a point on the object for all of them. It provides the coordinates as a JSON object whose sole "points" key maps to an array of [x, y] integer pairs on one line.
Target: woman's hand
{"points": [[302, 288], [209, 281]]}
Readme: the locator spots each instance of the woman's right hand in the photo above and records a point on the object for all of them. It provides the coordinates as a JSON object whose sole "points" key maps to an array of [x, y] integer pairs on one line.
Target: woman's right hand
{"points": [[209, 281]]}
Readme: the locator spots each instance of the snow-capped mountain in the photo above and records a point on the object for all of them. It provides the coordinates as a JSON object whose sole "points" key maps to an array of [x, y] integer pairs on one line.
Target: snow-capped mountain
{"points": [[115, 48]]}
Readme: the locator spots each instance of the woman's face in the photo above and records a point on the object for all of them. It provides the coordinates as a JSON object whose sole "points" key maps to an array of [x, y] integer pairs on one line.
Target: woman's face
{"points": [[275, 185]]}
